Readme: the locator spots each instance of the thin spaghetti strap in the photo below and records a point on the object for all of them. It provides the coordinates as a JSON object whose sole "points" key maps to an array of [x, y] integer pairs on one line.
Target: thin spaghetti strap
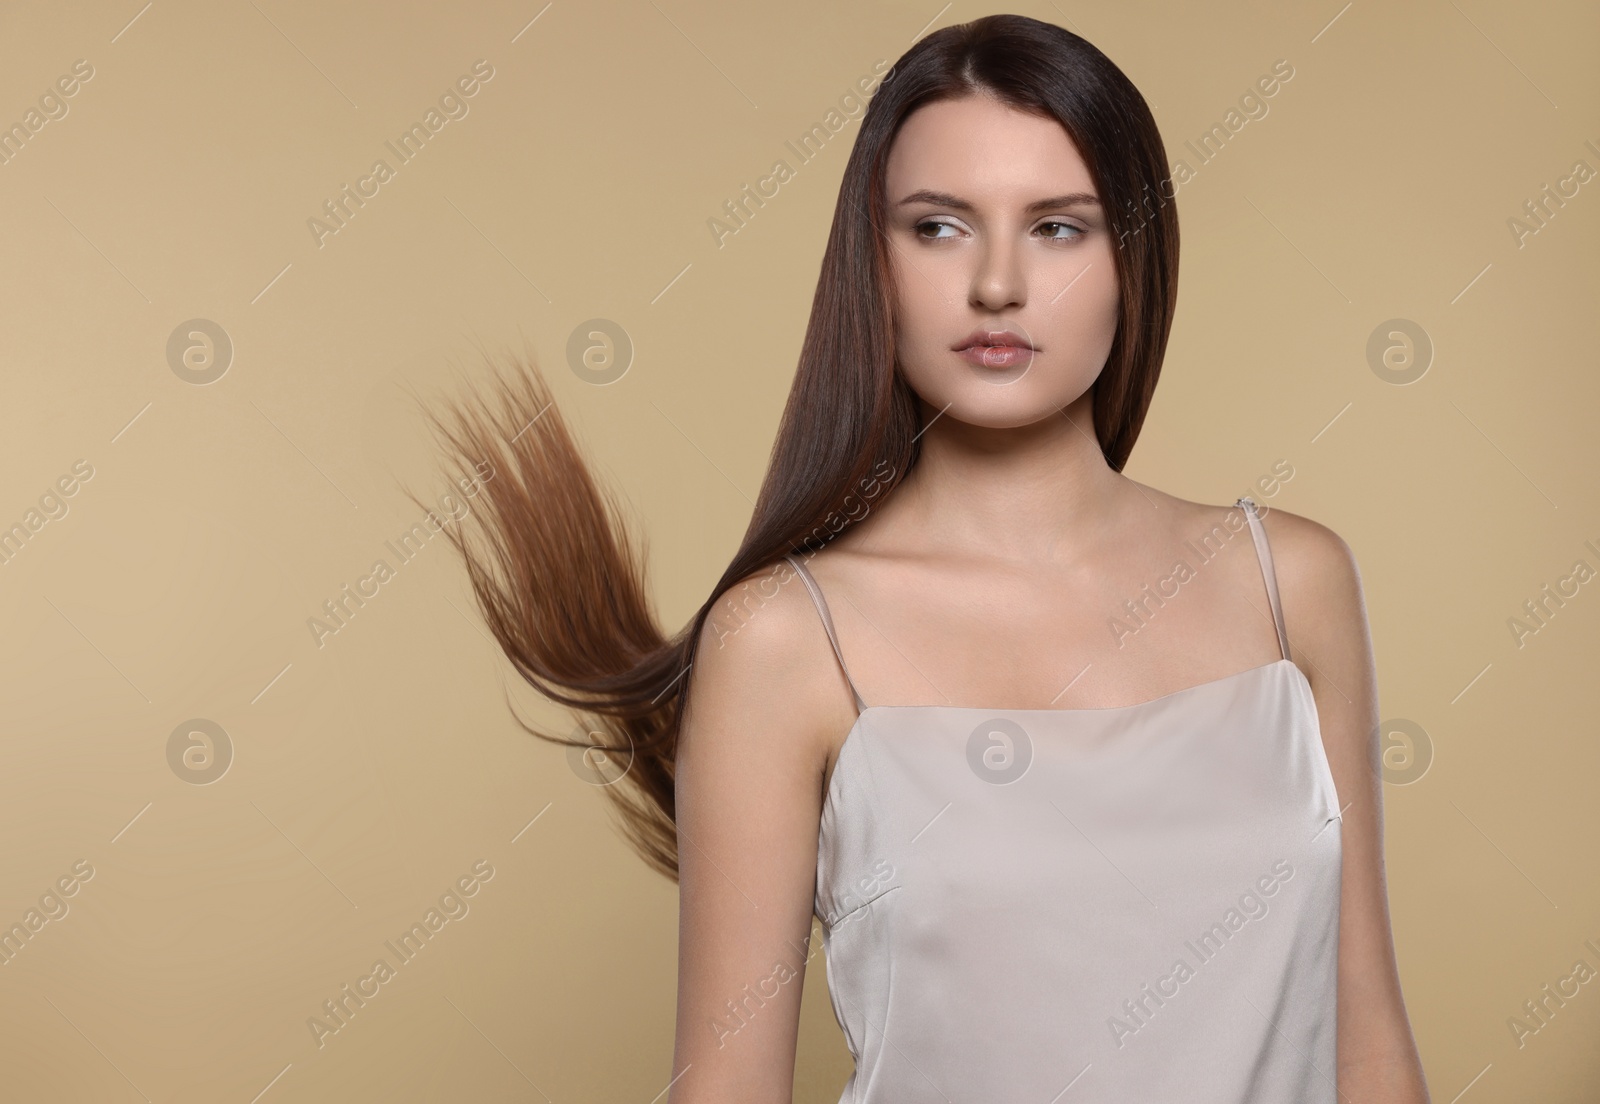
{"points": [[1264, 554], [827, 623]]}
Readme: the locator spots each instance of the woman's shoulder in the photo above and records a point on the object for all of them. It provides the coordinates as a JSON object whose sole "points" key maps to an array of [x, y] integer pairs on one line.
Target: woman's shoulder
{"points": [[1315, 568], [1308, 556], [763, 656], [758, 627], [1305, 544]]}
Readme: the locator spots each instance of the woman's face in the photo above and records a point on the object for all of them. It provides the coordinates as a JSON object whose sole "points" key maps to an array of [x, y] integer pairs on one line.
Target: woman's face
{"points": [[995, 225]]}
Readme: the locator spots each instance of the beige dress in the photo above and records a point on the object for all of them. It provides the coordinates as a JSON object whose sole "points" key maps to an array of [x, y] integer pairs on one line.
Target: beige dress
{"points": [[1132, 905]]}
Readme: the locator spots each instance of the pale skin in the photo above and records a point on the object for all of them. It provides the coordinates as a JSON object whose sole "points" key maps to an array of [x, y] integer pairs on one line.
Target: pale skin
{"points": [[987, 579]]}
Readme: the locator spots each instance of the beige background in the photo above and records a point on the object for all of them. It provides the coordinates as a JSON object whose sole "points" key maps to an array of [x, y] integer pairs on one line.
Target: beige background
{"points": [[369, 773]]}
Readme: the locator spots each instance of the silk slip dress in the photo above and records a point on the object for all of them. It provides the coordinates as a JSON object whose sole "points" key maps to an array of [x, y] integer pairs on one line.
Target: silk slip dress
{"points": [[1127, 905]]}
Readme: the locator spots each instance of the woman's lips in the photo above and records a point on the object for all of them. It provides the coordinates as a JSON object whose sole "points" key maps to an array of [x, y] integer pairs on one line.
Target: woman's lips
{"points": [[996, 356]]}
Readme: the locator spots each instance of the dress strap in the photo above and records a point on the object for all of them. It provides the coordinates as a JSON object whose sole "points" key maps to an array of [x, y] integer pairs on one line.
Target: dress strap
{"points": [[1264, 554], [827, 623]]}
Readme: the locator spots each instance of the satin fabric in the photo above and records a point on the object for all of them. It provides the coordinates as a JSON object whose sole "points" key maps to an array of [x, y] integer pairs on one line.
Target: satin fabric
{"points": [[1134, 905]]}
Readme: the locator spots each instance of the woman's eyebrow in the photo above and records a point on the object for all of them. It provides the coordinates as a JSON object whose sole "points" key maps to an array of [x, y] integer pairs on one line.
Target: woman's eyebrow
{"points": [[945, 199]]}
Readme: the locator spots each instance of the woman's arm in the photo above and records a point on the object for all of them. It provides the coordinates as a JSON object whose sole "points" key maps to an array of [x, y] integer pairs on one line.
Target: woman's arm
{"points": [[1325, 611], [749, 772]]}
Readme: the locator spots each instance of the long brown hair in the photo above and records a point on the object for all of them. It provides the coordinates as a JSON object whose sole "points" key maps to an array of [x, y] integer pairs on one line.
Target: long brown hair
{"points": [[559, 579]]}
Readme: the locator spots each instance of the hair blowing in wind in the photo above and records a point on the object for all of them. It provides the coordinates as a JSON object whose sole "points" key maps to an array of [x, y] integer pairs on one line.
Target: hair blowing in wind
{"points": [[559, 577]]}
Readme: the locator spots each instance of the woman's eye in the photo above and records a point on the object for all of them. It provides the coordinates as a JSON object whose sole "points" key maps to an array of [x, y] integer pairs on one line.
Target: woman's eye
{"points": [[921, 226], [1076, 230]]}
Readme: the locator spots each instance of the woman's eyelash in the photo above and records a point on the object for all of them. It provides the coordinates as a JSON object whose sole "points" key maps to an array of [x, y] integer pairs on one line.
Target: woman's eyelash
{"points": [[1080, 231], [1070, 226]]}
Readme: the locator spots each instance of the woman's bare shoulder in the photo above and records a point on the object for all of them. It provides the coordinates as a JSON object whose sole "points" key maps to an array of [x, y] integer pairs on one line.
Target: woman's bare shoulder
{"points": [[1319, 581], [1315, 568], [1303, 533], [1306, 552], [763, 663]]}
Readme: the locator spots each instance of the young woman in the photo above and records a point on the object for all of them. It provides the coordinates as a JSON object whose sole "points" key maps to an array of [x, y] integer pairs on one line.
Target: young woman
{"points": [[1075, 774]]}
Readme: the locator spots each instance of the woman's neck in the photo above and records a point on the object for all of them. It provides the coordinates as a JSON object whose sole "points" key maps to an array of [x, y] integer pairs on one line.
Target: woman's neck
{"points": [[1041, 492]]}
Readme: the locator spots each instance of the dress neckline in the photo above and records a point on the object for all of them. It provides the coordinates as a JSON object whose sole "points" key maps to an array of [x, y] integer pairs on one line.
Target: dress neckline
{"points": [[852, 736]]}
